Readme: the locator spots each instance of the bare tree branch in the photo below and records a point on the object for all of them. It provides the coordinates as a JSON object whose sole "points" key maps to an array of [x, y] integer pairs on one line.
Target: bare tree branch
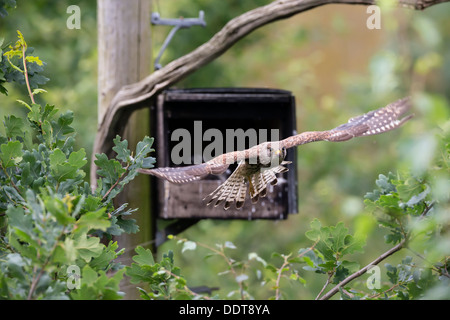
{"points": [[359, 273], [133, 97]]}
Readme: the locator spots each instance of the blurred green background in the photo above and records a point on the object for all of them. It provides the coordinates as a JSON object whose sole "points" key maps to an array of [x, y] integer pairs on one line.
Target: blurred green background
{"points": [[335, 66]]}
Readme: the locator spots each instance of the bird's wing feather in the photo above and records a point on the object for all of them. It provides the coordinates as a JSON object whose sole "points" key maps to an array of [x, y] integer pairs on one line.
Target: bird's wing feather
{"points": [[374, 122], [228, 189], [180, 175]]}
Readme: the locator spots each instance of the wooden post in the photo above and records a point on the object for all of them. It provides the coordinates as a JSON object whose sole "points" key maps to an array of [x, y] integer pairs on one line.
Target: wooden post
{"points": [[124, 57]]}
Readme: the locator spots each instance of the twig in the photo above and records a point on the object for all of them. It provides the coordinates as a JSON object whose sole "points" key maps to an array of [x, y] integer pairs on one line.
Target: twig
{"points": [[10, 179], [330, 274], [185, 287], [230, 265], [280, 271], [430, 263], [26, 74], [359, 273], [286, 262], [35, 280], [384, 292], [227, 260], [115, 184]]}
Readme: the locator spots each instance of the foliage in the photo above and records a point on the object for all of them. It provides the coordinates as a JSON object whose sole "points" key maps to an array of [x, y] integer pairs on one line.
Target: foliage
{"points": [[51, 219], [70, 57], [13, 68], [333, 243], [6, 4], [163, 278], [404, 206]]}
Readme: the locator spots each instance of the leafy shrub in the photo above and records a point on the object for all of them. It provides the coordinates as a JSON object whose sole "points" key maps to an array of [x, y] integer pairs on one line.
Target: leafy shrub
{"points": [[51, 221]]}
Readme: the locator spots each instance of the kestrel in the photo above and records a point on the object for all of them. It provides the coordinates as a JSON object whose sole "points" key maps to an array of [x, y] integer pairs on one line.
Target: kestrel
{"points": [[258, 165]]}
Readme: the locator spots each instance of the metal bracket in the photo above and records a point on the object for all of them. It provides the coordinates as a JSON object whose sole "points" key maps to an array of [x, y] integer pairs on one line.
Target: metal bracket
{"points": [[177, 24]]}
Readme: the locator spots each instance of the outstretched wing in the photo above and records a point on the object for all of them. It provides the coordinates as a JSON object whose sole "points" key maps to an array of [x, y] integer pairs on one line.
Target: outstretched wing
{"points": [[374, 122], [180, 175]]}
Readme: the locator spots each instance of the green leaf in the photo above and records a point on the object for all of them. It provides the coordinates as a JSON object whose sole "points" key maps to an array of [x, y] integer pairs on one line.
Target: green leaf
{"points": [[148, 162], [126, 225], [37, 91], [56, 158], [105, 260], [78, 158], [144, 256], [87, 247], [89, 276], [47, 132], [144, 147], [18, 219], [65, 252], [14, 127], [59, 210], [121, 148], [35, 113], [15, 264], [416, 199], [145, 267], [93, 220], [139, 274], [409, 188], [391, 273], [344, 270], [34, 60], [11, 154], [98, 286], [64, 169], [62, 126], [333, 242], [92, 203], [12, 194], [49, 112], [111, 170]]}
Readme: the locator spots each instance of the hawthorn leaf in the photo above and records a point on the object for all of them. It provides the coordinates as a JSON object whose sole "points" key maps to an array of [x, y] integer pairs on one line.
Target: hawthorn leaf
{"points": [[93, 220], [11, 154], [144, 256], [87, 247], [14, 127]]}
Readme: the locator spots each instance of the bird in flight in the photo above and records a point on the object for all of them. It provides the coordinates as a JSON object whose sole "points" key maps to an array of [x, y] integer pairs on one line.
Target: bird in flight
{"points": [[258, 166]]}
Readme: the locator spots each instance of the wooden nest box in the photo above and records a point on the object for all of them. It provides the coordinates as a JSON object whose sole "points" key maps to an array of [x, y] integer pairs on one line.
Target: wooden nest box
{"points": [[268, 112]]}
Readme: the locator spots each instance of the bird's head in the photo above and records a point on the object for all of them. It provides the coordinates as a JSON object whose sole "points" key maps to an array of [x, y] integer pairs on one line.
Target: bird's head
{"points": [[272, 155]]}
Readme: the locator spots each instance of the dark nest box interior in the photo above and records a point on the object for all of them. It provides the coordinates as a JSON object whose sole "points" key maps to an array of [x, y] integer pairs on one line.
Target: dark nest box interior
{"points": [[236, 110]]}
